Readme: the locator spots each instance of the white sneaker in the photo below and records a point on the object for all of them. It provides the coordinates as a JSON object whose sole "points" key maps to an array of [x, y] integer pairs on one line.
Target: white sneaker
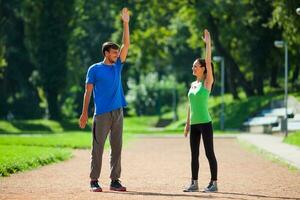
{"points": [[193, 187]]}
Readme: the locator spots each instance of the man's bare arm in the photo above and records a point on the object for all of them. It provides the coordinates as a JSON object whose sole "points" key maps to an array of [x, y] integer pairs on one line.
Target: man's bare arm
{"points": [[86, 101], [126, 35]]}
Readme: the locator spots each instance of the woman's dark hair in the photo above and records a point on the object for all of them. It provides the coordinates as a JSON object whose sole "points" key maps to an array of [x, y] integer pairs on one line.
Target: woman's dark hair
{"points": [[203, 64]]}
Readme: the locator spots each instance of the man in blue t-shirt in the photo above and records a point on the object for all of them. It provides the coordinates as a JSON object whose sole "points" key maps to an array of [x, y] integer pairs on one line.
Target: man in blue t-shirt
{"points": [[104, 80]]}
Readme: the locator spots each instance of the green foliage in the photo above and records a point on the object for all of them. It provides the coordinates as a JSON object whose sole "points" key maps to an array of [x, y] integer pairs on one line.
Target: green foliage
{"points": [[47, 46], [48, 31], [3, 62], [18, 97], [284, 16], [152, 94], [14, 158]]}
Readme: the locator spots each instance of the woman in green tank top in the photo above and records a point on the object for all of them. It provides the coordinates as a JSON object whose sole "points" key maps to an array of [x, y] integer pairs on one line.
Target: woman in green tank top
{"points": [[198, 121]]}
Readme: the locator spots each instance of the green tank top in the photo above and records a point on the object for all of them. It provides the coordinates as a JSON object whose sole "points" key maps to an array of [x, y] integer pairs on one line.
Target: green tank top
{"points": [[198, 97]]}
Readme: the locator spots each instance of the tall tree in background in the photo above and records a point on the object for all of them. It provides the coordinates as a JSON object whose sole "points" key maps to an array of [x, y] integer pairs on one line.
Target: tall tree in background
{"points": [[285, 17], [18, 96], [259, 38], [48, 32], [92, 24], [47, 46]]}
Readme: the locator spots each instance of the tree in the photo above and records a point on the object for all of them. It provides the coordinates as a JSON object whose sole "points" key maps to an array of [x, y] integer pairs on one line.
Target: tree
{"points": [[48, 30], [285, 17], [18, 95]]}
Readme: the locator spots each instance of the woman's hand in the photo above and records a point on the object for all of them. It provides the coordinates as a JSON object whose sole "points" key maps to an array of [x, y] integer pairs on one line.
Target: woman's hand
{"points": [[206, 37], [186, 129]]}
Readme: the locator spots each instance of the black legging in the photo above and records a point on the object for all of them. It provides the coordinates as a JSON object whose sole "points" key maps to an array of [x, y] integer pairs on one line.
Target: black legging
{"points": [[206, 131]]}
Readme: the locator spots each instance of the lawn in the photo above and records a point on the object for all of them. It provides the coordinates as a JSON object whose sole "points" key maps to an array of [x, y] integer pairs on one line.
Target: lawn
{"points": [[75, 140], [39, 126], [22, 152], [293, 138], [15, 158]]}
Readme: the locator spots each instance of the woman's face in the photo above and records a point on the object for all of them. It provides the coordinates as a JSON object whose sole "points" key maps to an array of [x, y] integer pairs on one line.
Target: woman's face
{"points": [[198, 70]]}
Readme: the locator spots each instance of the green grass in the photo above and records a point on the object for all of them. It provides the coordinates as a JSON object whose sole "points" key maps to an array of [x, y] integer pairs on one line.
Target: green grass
{"points": [[75, 140], [8, 127], [23, 152], [71, 140], [16, 158], [140, 124], [296, 95], [39, 126], [293, 138]]}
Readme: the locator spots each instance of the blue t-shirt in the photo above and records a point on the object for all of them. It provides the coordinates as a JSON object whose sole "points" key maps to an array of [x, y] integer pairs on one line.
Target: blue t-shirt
{"points": [[108, 91]]}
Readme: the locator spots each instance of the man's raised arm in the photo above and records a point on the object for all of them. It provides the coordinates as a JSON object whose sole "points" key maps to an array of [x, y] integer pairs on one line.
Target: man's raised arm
{"points": [[126, 38]]}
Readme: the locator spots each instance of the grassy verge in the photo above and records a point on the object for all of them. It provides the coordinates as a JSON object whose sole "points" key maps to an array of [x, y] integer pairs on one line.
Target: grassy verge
{"points": [[16, 158], [293, 138], [266, 155], [75, 140], [23, 152], [39, 126]]}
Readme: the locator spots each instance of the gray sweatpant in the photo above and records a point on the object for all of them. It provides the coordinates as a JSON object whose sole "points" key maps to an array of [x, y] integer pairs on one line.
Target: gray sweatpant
{"points": [[110, 122]]}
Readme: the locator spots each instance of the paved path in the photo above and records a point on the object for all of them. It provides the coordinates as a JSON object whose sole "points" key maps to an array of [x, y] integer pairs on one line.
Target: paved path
{"points": [[158, 168], [274, 145]]}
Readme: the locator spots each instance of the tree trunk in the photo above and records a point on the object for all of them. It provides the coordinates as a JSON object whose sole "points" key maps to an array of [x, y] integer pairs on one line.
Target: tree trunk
{"points": [[54, 110], [231, 83], [273, 78], [296, 70]]}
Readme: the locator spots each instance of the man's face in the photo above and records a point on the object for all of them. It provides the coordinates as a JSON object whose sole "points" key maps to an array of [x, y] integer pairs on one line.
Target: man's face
{"points": [[112, 55]]}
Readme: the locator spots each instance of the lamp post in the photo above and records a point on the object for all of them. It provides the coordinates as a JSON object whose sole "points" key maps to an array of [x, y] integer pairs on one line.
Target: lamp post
{"points": [[221, 59], [281, 44]]}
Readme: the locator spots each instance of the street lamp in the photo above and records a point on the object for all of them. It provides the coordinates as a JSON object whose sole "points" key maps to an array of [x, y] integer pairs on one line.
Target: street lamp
{"points": [[298, 11], [221, 59], [281, 44]]}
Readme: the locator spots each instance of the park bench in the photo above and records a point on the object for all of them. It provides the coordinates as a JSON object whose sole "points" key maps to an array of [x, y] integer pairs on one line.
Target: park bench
{"points": [[261, 124], [272, 120]]}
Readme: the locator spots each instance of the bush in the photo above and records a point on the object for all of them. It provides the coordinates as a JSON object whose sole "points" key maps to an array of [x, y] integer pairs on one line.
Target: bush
{"points": [[151, 94]]}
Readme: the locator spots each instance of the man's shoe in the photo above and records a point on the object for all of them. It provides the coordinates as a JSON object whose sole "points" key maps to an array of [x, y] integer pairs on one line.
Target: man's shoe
{"points": [[115, 185], [95, 187]]}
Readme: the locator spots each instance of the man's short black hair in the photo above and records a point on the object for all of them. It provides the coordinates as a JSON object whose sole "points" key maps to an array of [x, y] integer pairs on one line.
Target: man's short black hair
{"points": [[109, 45]]}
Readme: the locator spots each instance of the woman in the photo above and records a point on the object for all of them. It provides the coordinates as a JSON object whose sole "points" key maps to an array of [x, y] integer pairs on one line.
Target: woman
{"points": [[198, 119]]}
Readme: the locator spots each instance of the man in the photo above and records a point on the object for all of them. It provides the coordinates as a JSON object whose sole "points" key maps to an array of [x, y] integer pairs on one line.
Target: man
{"points": [[104, 79]]}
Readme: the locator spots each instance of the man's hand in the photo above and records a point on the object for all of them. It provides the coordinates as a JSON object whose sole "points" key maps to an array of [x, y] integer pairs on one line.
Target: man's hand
{"points": [[125, 15], [186, 129], [83, 120]]}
